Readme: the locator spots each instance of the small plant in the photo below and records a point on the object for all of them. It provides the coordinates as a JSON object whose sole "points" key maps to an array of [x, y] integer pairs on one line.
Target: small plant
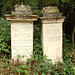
{"points": [[22, 69]]}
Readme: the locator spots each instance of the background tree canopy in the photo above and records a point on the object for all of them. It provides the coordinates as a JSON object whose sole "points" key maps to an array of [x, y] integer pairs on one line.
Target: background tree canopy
{"points": [[65, 6]]}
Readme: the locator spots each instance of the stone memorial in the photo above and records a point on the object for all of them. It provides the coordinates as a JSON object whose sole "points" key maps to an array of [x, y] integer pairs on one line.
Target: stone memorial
{"points": [[21, 32], [51, 33]]}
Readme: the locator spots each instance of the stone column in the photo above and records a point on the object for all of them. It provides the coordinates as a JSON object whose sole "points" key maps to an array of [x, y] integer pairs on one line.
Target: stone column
{"points": [[21, 32], [51, 33]]}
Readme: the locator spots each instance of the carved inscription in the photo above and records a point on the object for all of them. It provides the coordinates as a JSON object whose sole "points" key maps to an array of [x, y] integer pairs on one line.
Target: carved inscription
{"points": [[52, 32], [22, 37]]}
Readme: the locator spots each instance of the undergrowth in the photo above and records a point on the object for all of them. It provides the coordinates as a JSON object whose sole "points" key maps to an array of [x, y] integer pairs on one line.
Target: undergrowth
{"points": [[37, 64]]}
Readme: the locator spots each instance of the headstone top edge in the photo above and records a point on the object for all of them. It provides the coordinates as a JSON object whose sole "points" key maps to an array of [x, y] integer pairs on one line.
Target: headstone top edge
{"points": [[12, 15], [50, 7], [21, 17], [61, 19], [52, 17]]}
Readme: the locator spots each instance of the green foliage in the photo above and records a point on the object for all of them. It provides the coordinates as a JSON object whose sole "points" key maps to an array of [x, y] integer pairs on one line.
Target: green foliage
{"points": [[68, 50], [8, 6], [45, 66], [43, 3], [37, 42], [4, 35], [34, 6], [11, 68], [22, 69], [68, 54], [66, 6], [39, 67], [39, 64]]}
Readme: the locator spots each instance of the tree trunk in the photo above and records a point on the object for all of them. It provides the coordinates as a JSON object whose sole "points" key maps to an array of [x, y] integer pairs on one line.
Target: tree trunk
{"points": [[73, 35]]}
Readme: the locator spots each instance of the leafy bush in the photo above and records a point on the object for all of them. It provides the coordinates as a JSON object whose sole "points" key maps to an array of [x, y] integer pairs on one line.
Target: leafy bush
{"points": [[37, 64], [67, 50], [9, 68], [45, 67], [37, 49], [4, 36], [37, 67], [34, 6], [68, 53], [43, 3], [22, 69]]}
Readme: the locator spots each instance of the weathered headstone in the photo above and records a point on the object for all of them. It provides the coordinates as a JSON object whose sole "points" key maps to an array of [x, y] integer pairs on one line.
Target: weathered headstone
{"points": [[51, 33], [22, 9], [21, 32]]}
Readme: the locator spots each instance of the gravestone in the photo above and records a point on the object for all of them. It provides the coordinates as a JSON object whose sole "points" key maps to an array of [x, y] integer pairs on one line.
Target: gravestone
{"points": [[51, 33], [21, 32]]}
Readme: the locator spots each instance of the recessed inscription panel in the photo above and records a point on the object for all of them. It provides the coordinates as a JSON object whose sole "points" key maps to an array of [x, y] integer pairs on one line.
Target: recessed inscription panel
{"points": [[52, 41], [52, 32], [22, 39]]}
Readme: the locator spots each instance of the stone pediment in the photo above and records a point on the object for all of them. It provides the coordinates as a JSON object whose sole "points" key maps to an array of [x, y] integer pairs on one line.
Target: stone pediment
{"points": [[21, 12]]}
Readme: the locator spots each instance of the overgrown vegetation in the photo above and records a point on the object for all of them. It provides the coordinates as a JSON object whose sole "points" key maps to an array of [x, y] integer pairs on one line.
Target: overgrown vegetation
{"points": [[37, 51], [37, 64], [4, 37]]}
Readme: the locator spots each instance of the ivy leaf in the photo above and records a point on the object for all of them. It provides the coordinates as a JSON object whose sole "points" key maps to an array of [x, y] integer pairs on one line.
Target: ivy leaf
{"points": [[18, 56]]}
